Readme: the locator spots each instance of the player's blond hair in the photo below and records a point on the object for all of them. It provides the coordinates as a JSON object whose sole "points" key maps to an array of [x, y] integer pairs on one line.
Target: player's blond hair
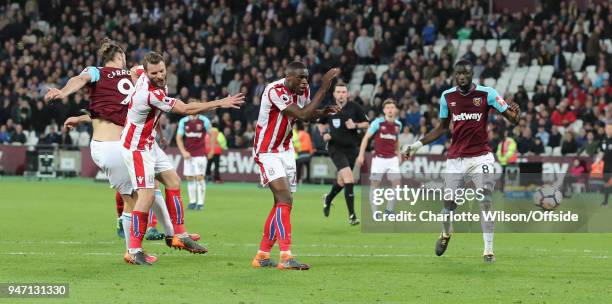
{"points": [[108, 49], [389, 101]]}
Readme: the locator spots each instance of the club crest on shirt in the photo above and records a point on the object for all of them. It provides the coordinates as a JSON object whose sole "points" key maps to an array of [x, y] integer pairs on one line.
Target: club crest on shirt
{"points": [[199, 127], [452, 104], [383, 128], [336, 123], [477, 101], [500, 100], [285, 98]]}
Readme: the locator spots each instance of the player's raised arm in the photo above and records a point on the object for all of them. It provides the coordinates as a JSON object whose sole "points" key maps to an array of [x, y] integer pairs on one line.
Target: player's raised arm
{"points": [[364, 143], [73, 121], [230, 102], [297, 80], [180, 131], [90, 74], [434, 134]]}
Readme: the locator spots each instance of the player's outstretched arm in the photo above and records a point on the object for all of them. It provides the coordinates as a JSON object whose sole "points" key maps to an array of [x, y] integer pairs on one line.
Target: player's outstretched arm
{"points": [[202, 107], [434, 134], [364, 143], [74, 84], [310, 111], [73, 121]]}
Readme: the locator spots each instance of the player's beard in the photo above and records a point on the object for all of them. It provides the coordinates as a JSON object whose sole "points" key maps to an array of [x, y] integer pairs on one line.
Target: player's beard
{"points": [[159, 82]]}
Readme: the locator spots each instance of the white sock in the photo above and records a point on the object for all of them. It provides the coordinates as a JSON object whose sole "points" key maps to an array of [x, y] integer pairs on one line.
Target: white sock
{"points": [[488, 242], [191, 190], [126, 221], [374, 207], [390, 205], [134, 250], [160, 210], [487, 232], [201, 189]]}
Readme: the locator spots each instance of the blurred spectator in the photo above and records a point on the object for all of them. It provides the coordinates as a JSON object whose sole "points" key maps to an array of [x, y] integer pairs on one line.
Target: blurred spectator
{"points": [[568, 145], [65, 139], [561, 117], [406, 137], [5, 136], [554, 140], [364, 47], [538, 147], [525, 141], [369, 77], [52, 136], [18, 137], [590, 146]]}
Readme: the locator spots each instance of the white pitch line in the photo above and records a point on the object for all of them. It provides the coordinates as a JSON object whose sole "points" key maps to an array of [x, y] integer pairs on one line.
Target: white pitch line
{"points": [[322, 245]]}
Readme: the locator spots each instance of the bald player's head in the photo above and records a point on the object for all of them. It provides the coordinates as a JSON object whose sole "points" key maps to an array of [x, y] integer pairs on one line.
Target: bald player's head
{"points": [[296, 77]]}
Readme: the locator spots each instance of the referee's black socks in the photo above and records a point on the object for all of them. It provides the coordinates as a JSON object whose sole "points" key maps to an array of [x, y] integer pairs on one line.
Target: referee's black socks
{"points": [[332, 194], [349, 196]]}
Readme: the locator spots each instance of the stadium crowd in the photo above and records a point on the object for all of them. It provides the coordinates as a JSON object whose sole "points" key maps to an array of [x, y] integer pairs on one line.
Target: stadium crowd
{"points": [[215, 48]]}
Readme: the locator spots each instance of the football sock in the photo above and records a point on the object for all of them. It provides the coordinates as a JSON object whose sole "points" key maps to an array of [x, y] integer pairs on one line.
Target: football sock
{"points": [[137, 231], [269, 234], [606, 194], [119, 203], [176, 211], [286, 252], [487, 226], [391, 205], [201, 190], [447, 224], [283, 226], [191, 191], [161, 212], [126, 221], [372, 205], [488, 242], [152, 221], [333, 192], [349, 196]]}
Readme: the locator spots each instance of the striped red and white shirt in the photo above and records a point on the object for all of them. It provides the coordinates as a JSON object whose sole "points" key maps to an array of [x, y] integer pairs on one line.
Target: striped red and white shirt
{"points": [[147, 103], [274, 129]]}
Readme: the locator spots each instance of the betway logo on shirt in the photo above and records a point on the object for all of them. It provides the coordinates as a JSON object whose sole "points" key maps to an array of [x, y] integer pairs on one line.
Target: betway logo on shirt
{"points": [[193, 134], [387, 136], [467, 116]]}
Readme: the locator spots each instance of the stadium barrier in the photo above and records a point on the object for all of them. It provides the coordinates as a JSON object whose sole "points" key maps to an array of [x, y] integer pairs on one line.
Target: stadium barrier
{"points": [[235, 164]]}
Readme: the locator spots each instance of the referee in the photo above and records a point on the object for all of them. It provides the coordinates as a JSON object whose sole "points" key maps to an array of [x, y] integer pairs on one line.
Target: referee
{"points": [[340, 133], [605, 147]]}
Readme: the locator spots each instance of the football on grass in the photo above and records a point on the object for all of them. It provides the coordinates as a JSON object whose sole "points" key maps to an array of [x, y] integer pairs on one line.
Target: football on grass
{"points": [[547, 197]]}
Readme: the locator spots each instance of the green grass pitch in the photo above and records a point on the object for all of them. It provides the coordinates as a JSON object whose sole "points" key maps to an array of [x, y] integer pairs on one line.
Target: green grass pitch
{"points": [[64, 231]]}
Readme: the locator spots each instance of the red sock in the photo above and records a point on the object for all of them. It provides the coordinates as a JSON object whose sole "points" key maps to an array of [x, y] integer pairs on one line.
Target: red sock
{"points": [[269, 234], [119, 204], [152, 219], [283, 225], [175, 209], [138, 229]]}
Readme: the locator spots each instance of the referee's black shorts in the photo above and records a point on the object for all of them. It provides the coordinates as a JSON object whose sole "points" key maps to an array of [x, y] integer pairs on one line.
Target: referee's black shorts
{"points": [[343, 157]]}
